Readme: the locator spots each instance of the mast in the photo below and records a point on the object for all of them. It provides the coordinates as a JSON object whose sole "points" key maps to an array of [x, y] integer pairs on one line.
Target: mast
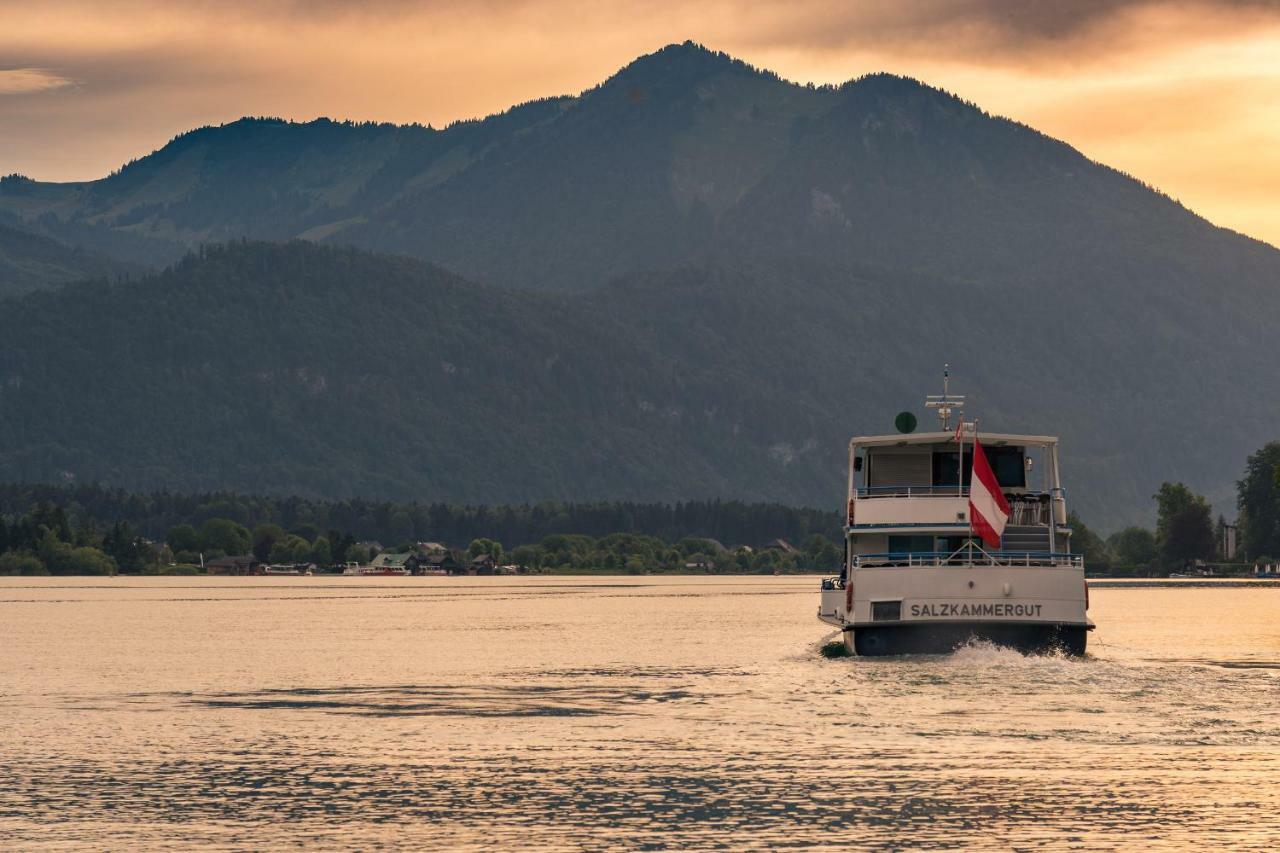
{"points": [[946, 403]]}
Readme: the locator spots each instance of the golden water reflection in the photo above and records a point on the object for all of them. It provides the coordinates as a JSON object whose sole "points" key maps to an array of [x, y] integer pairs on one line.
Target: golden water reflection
{"points": [[634, 712]]}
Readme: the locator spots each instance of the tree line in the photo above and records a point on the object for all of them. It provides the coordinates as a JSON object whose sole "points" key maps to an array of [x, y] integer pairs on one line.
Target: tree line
{"points": [[1186, 531], [153, 514], [114, 530], [96, 530]]}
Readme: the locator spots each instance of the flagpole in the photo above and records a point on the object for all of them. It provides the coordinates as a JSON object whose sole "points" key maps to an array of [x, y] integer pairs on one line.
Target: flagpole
{"points": [[970, 512]]}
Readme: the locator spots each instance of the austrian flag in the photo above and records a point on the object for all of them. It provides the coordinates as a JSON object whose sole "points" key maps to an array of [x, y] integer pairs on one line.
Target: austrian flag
{"points": [[988, 510]]}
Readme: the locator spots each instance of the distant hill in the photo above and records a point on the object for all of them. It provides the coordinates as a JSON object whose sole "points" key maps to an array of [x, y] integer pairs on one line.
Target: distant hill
{"points": [[29, 261], [693, 280], [262, 178], [328, 372], [684, 156]]}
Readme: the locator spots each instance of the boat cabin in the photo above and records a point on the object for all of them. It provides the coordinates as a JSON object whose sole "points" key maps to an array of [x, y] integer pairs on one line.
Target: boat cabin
{"points": [[909, 494]]}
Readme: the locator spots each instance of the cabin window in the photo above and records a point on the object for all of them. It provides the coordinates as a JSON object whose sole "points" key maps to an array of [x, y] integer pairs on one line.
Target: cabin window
{"points": [[1006, 463], [890, 468], [910, 544], [1009, 467], [886, 611]]}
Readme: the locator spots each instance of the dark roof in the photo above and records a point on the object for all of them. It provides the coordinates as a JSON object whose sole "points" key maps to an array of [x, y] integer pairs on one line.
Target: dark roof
{"points": [[243, 559], [391, 560]]}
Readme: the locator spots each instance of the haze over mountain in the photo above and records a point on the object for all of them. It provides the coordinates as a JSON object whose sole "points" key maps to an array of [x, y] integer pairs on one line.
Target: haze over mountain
{"points": [[30, 261], [736, 274]]}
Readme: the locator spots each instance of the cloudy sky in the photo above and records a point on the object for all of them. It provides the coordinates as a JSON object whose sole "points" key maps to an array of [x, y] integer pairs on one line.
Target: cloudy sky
{"points": [[1184, 94]]}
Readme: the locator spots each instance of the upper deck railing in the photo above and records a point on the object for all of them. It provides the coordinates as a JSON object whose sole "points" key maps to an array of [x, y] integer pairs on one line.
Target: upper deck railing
{"points": [[1025, 508], [964, 557], [911, 492]]}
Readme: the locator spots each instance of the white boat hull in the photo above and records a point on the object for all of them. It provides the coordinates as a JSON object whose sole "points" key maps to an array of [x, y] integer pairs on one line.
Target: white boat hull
{"points": [[917, 609]]}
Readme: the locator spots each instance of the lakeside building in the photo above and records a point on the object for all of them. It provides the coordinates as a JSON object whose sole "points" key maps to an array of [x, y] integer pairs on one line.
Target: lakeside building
{"points": [[437, 563], [243, 564], [404, 560]]}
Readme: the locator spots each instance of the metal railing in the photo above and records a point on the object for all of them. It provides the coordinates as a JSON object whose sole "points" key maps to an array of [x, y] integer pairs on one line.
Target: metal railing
{"points": [[966, 557], [911, 491], [1026, 509]]}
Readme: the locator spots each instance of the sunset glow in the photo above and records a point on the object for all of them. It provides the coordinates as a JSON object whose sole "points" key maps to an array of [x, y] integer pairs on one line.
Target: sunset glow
{"points": [[1183, 95]]}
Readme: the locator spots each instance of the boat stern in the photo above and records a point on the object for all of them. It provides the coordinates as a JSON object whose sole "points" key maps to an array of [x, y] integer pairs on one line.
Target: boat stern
{"points": [[911, 609]]}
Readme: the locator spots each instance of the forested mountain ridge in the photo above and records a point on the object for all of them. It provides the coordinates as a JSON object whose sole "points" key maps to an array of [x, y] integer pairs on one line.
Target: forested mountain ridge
{"points": [[30, 261], [326, 372], [683, 156], [338, 372], [694, 280]]}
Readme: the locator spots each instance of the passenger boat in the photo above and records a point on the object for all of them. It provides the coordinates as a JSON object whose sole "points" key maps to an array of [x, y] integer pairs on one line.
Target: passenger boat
{"points": [[924, 570], [374, 571]]}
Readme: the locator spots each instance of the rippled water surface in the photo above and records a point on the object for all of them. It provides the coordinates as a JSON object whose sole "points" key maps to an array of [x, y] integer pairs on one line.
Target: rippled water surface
{"points": [[600, 712]]}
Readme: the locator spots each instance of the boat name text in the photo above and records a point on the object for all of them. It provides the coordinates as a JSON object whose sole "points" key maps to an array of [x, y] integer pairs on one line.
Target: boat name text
{"points": [[974, 609]]}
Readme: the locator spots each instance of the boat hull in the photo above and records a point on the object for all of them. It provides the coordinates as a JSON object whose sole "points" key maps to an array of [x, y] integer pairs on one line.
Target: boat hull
{"points": [[946, 637]]}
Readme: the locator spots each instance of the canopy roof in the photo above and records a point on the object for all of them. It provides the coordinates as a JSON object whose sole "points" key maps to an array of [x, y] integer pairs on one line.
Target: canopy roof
{"points": [[993, 439]]}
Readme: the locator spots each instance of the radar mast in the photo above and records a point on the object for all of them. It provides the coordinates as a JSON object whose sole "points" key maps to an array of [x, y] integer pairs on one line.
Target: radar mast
{"points": [[946, 403]]}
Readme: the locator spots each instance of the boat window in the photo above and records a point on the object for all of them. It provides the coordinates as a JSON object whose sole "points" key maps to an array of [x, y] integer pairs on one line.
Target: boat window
{"points": [[897, 468], [910, 544], [946, 467], [1008, 465], [1006, 462]]}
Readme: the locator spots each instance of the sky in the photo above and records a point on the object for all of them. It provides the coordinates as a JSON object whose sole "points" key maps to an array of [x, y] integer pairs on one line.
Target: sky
{"points": [[1182, 94]]}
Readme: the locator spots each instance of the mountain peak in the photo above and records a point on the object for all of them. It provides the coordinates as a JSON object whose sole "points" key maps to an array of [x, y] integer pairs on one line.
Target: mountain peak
{"points": [[681, 63]]}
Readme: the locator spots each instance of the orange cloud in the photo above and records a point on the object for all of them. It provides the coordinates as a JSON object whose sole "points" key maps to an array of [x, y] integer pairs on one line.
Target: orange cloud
{"points": [[1180, 93], [21, 81]]}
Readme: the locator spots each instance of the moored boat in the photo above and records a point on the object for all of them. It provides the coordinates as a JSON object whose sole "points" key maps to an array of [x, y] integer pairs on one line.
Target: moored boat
{"points": [[357, 570]]}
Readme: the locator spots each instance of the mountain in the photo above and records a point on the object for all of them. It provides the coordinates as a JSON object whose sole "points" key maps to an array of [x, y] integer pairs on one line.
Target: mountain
{"points": [[284, 368], [256, 177], [693, 280], [29, 261], [684, 156], [325, 371]]}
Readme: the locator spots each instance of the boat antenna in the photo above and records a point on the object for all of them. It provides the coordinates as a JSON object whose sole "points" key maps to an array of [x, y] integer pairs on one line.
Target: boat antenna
{"points": [[946, 402]]}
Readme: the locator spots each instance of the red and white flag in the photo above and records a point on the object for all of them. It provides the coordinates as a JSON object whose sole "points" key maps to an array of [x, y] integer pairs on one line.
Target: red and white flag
{"points": [[960, 431], [988, 510]]}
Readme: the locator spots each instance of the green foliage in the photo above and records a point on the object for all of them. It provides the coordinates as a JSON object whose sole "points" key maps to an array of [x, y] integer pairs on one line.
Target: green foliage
{"points": [[62, 558], [264, 538], [1184, 526], [222, 535], [1258, 498], [526, 555], [1097, 556], [86, 561], [183, 539], [130, 551], [821, 554], [290, 549], [14, 563], [60, 519], [1133, 547], [485, 546]]}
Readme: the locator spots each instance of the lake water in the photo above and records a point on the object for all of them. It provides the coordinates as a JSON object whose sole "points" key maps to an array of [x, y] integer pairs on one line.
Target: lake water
{"points": [[628, 712]]}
